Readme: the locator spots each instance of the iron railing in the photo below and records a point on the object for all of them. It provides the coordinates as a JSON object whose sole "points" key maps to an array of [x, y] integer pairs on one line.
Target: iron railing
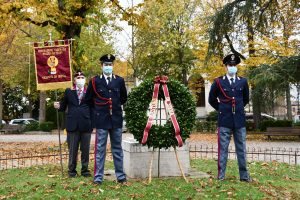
{"points": [[290, 155], [20, 159]]}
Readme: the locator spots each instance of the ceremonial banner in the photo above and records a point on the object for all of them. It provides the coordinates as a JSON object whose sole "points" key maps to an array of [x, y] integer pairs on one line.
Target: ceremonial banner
{"points": [[52, 66]]}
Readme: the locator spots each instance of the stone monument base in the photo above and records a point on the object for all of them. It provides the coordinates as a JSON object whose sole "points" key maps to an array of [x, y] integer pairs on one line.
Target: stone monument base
{"points": [[137, 160]]}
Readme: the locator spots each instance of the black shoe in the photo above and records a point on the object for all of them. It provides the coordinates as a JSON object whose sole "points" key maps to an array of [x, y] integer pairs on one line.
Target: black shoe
{"points": [[122, 181], [86, 174], [248, 180], [72, 175], [221, 179], [97, 182]]}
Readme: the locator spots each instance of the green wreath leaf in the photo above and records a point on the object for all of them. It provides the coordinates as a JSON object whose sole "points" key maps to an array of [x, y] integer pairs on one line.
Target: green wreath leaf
{"points": [[160, 136]]}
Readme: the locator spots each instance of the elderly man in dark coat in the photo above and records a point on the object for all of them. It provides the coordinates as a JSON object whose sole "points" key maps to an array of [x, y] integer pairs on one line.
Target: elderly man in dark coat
{"points": [[78, 124]]}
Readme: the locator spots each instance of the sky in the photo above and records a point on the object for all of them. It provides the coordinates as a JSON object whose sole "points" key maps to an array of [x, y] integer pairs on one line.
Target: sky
{"points": [[123, 38]]}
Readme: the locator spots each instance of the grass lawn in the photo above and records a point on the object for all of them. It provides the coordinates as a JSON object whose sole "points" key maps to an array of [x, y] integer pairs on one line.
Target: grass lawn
{"points": [[271, 181]]}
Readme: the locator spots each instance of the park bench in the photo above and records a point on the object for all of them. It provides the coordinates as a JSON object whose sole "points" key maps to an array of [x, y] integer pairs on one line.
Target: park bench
{"points": [[8, 128], [282, 131]]}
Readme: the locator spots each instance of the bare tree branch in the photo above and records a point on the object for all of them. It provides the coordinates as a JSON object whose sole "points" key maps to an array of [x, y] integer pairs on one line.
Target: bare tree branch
{"points": [[18, 27], [232, 48]]}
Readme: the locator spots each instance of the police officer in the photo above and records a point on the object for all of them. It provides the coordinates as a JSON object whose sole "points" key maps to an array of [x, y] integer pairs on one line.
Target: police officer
{"points": [[78, 124], [228, 95], [107, 93]]}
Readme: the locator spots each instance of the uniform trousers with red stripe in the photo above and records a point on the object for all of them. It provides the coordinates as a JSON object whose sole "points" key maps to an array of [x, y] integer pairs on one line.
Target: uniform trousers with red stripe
{"points": [[239, 136], [115, 136]]}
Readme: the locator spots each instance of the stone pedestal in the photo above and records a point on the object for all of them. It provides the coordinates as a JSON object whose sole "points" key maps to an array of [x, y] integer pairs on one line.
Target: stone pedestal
{"points": [[137, 160]]}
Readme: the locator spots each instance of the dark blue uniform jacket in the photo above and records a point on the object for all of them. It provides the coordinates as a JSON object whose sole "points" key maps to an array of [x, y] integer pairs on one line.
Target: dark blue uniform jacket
{"points": [[240, 91], [78, 116], [117, 92]]}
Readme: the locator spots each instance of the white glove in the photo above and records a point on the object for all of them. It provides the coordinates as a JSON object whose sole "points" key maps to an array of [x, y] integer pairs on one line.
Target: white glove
{"points": [[56, 105]]}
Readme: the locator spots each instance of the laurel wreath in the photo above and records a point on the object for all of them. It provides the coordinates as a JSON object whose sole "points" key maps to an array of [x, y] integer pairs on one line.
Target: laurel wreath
{"points": [[160, 136]]}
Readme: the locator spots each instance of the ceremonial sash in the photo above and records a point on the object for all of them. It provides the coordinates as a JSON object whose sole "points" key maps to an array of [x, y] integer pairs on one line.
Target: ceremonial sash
{"points": [[228, 98], [108, 100], [168, 106]]}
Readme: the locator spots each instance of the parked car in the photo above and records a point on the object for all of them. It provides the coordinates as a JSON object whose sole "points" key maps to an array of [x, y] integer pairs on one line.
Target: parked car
{"points": [[264, 116], [297, 118], [22, 121], [3, 122]]}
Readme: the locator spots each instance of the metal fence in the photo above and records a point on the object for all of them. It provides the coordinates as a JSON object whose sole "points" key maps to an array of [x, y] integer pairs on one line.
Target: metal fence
{"points": [[20, 159], [290, 155]]}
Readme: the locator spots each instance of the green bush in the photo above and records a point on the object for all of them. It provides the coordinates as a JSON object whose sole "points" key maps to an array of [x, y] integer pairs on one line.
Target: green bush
{"points": [[212, 116], [205, 126], [46, 126], [33, 126], [275, 123], [250, 126]]}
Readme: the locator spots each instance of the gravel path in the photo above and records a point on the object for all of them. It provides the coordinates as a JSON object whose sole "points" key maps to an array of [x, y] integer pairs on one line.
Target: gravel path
{"points": [[294, 145]]}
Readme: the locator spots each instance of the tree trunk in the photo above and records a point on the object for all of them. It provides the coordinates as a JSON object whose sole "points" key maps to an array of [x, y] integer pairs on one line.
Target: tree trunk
{"points": [[42, 110], [256, 110], [1, 101], [184, 77], [251, 49], [288, 102], [29, 105]]}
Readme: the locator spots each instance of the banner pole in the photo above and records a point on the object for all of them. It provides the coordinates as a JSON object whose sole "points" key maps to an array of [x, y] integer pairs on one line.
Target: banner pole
{"points": [[57, 119], [59, 140]]}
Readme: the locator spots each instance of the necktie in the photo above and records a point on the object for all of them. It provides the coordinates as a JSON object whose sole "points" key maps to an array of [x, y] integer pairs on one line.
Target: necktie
{"points": [[79, 93], [231, 81], [108, 80]]}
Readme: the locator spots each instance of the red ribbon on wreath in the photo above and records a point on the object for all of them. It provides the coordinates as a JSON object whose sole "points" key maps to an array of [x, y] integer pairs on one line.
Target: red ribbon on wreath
{"points": [[168, 106]]}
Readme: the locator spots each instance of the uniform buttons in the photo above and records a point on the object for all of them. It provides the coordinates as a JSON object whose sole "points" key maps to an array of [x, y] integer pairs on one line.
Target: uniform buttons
{"points": [[109, 91], [232, 89]]}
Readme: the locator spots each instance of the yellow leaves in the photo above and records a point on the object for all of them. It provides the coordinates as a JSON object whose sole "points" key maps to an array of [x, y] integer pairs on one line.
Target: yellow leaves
{"points": [[123, 68], [3, 37], [264, 164]]}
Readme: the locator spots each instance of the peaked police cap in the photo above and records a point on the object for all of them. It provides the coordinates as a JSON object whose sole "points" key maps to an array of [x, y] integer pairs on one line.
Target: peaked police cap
{"points": [[107, 58], [231, 59], [79, 73]]}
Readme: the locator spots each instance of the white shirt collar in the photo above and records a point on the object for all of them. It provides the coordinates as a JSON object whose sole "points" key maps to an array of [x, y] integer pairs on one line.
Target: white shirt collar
{"points": [[105, 76], [229, 77]]}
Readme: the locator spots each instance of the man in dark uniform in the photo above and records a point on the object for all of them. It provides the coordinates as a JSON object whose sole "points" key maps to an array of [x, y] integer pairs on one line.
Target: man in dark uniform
{"points": [[107, 93], [78, 124], [228, 95]]}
